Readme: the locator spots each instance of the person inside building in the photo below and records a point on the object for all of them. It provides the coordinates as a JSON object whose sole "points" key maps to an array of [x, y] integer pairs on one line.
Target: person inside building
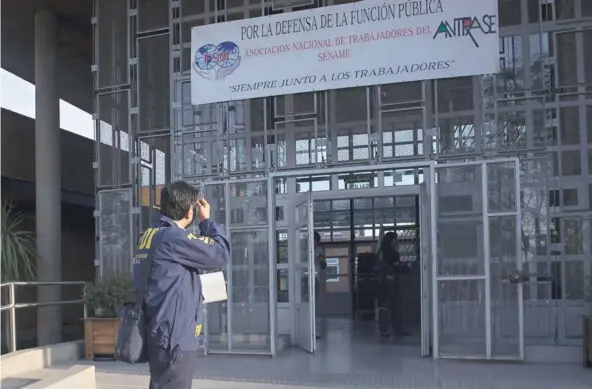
{"points": [[170, 258], [389, 269], [320, 282]]}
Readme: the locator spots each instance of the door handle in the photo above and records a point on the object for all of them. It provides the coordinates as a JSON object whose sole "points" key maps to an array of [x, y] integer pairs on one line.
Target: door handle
{"points": [[517, 277]]}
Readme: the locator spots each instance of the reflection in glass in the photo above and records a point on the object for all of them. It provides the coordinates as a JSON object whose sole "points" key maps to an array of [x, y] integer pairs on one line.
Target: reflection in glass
{"points": [[573, 234], [570, 125], [313, 183], [352, 144], [282, 246], [217, 199], [454, 94], [402, 134], [248, 203], [575, 287], [217, 323], [509, 13], [567, 64], [461, 248], [352, 103], [457, 135], [570, 163], [283, 295], [541, 67], [250, 290], [462, 317], [501, 187], [310, 150]]}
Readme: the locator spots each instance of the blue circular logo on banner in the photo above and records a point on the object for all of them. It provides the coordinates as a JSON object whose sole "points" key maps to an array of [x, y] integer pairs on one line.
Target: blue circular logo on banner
{"points": [[217, 61]]}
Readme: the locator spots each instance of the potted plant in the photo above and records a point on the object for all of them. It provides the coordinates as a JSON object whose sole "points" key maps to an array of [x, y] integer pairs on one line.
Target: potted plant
{"points": [[103, 300], [588, 327], [19, 253]]}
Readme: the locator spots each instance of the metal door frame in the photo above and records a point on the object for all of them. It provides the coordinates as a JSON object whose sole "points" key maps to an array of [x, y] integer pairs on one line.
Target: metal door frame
{"points": [[426, 262], [271, 250], [428, 167], [304, 200], [486, 277]]}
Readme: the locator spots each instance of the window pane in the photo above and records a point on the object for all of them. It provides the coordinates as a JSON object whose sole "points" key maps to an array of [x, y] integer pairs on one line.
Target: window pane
{"points": [[282, 246], [570, 163], [573, 237], [574, 280], [570, 126], [283, 286]]}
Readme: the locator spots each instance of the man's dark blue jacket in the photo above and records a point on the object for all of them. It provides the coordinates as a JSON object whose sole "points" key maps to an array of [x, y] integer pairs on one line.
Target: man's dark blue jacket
{"points": [[173, 299]]}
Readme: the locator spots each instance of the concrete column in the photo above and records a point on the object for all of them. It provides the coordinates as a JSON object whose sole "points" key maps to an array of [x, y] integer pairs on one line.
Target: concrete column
{"points": [[48, 176]]}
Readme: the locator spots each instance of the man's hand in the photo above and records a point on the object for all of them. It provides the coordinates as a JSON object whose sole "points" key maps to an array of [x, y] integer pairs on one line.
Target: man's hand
{"points": [[203, 210]]}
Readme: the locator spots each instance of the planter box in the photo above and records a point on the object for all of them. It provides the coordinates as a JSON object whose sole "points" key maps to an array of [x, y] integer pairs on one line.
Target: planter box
{"points": [[587, 341], [100, 336]]}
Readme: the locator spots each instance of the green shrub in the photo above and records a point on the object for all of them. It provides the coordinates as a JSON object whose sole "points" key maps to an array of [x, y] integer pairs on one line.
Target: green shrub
{"points": [[105, 298]]}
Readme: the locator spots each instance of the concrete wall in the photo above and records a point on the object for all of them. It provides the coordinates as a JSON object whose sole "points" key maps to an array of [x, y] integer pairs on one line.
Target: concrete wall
{"points": [[18, 154]]}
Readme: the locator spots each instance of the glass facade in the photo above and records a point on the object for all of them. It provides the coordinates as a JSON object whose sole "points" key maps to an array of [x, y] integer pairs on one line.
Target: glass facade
{"points": [[538, 108]]}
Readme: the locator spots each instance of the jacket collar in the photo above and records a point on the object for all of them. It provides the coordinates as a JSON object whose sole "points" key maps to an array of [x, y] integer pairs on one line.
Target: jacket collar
{"points": [[165, 220], [168, 221]]}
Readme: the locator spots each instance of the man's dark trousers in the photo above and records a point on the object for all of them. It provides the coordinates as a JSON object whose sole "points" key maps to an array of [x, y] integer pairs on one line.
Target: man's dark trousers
{"points": [[167, 372]]}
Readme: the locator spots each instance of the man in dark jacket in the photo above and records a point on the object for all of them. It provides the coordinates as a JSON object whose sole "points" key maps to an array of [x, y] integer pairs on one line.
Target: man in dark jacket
{"points": [[173, 297]]}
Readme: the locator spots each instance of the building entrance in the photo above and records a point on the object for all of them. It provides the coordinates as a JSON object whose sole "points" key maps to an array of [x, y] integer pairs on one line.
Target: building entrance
{"points": [[327, 305], [348, 291], [459, 226]]}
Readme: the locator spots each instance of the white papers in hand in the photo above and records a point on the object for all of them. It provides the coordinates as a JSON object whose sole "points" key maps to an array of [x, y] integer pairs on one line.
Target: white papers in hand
{"points": [[213, 287]]}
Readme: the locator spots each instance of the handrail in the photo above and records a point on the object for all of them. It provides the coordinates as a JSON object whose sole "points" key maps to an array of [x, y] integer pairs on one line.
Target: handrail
{"points": [[12, 306]]}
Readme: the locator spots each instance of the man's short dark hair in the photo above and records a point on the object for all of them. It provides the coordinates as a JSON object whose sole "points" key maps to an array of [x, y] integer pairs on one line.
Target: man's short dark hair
{"points": [[177, 198]]}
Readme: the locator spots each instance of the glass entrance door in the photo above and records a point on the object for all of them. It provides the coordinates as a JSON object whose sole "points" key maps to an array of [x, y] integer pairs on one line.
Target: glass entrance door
{"points": [[477, 264], [242, 324], [305, 275]]}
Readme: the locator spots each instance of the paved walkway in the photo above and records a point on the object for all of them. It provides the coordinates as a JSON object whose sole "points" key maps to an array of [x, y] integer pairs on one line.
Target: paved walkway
{"points": [[296, 370], [349, 358]]}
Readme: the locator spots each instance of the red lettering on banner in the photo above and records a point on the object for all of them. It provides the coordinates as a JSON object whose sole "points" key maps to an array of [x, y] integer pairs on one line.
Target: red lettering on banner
{"points": [[331, 55]]}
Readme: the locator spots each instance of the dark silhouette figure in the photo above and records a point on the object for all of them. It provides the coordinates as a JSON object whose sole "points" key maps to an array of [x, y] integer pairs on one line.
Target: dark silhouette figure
{"points": [[389, 269]]}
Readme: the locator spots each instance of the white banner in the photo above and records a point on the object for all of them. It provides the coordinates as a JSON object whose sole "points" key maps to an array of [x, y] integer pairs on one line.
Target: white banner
{"points": [[363, 43]]}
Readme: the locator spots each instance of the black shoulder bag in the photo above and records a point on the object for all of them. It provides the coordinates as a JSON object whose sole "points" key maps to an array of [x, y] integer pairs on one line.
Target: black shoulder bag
{"points": [[131, 343]]}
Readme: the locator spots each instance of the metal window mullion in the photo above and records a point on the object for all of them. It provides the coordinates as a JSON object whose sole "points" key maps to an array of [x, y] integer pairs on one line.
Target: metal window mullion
{"points": [[329, 150], [478, 103], [316, 131], [100, 237], [436, 117], [230, 300], [311, 269], [435, 260], [520, 290], [293, 286], [378, 104], [486, 258], [424, 125], [172, 103], [271, 237]]}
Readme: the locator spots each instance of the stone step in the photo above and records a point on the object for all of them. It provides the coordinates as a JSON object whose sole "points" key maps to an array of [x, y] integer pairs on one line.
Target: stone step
{"points": [[21, 380]]}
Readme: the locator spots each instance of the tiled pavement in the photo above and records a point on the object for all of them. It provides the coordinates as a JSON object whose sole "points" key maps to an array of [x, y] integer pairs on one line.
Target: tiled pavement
{"points": [[285, 372], [346, 361]]}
